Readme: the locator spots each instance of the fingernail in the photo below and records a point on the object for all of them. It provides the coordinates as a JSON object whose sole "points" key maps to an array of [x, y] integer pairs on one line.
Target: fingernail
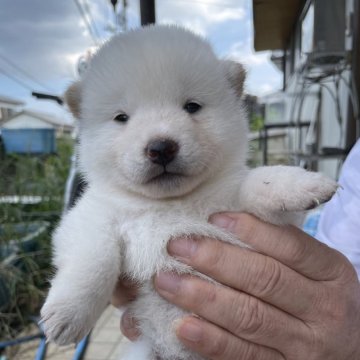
{"points": [[168, 282], [190, 330], [182, 247], [222, 221], [127, 322], [129, 327]]}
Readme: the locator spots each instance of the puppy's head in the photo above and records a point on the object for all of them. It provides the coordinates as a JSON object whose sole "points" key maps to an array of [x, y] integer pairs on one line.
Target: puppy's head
{"points": [[159, 113]]}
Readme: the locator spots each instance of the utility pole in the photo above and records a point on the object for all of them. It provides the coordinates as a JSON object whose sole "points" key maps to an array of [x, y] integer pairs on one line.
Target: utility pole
{"points": [[147, 12], [120, 18]]}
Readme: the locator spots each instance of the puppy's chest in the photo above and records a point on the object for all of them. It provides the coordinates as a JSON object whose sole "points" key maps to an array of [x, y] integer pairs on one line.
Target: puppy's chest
{"points": [[145, 235]]}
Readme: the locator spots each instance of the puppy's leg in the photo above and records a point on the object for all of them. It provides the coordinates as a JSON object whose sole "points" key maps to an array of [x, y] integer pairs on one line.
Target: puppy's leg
{"points": [[88, 262], [277, 193]]}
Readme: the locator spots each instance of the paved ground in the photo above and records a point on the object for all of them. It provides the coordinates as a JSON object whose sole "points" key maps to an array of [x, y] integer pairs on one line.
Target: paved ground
{"points": [[106, 342]]}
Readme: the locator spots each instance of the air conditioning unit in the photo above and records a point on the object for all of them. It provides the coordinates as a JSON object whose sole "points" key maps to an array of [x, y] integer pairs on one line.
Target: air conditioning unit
{"points": [[323, 32]]}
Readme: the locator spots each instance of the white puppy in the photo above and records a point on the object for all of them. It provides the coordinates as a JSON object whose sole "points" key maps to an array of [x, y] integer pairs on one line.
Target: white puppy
{"points": [[163, 143]]}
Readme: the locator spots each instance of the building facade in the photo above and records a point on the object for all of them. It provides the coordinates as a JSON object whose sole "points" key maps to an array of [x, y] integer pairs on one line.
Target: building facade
{"points": [[316, 45]]}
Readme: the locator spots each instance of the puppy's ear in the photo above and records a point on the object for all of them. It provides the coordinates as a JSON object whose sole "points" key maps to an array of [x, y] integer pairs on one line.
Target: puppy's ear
{"points": [[72, 98], [235, 73]]}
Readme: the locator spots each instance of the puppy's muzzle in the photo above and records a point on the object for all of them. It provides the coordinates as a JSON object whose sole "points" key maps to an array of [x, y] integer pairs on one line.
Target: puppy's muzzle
{"points": [[162, 151]]}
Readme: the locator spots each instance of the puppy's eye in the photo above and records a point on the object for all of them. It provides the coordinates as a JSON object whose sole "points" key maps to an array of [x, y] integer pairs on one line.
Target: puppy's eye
{"points": [[122, 117], [192, 107]]}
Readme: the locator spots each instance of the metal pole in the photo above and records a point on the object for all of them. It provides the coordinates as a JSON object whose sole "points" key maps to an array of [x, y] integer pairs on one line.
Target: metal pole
{"points": [[147, 12], [355, 64]]}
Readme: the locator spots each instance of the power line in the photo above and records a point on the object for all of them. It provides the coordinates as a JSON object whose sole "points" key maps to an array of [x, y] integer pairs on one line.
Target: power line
{"points": [[26, 86], [22, 71], [87, 23], [92, 20]]}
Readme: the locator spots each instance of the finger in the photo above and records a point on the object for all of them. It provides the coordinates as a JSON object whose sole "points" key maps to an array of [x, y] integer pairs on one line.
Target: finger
{"points": [[250, 272], [215, 343], [123, 293], [287, 244], [239, 313], [129, 326]]}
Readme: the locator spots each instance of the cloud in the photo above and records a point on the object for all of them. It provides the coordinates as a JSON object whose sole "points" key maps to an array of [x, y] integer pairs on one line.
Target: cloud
{"points": [[262, 75], [263, 80], [243, 52], [225, 14], [43, 37], [266, 88], [46, 38], [200, 16]]}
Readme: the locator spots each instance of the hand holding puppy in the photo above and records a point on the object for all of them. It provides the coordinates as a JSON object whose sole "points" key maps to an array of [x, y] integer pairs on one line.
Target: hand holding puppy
{"points": [[293, 299]]}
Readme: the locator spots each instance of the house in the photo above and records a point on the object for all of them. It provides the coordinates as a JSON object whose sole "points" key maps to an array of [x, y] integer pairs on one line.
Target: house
{"points": [[36, 120], [9, 107], [316, 44], [32, 132]]}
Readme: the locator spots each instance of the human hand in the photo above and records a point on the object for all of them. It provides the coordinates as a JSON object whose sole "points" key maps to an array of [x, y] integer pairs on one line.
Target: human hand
{"points": [[293, 299], [126, 291]]}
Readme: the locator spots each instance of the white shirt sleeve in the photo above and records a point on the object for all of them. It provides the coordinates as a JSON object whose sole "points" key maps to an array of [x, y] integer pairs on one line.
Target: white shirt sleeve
{"points": [[339, 225]]}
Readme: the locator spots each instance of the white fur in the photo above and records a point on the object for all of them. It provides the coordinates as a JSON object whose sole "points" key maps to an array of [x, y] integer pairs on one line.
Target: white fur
{"points": [[141, 349], [124, 220]]}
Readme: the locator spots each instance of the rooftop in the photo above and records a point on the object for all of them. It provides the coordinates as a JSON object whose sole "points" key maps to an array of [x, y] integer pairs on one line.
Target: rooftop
{"points": [[6, 100], [273, 22]]}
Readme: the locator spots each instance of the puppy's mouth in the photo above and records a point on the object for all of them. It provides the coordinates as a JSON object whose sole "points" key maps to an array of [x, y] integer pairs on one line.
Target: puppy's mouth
{"points": [[166, 177]]}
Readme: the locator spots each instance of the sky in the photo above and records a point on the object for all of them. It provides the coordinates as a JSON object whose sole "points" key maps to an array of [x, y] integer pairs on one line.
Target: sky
{"points": [[42, 41]]}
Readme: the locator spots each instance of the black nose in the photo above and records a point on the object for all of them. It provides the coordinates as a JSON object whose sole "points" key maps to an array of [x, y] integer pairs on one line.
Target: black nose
{"points": [[162, 151]]}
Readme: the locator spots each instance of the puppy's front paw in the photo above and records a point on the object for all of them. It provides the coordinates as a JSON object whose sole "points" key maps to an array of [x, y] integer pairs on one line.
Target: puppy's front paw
{"points": [[300, 190], [64, 321], [286, 188], [317, 189]]}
